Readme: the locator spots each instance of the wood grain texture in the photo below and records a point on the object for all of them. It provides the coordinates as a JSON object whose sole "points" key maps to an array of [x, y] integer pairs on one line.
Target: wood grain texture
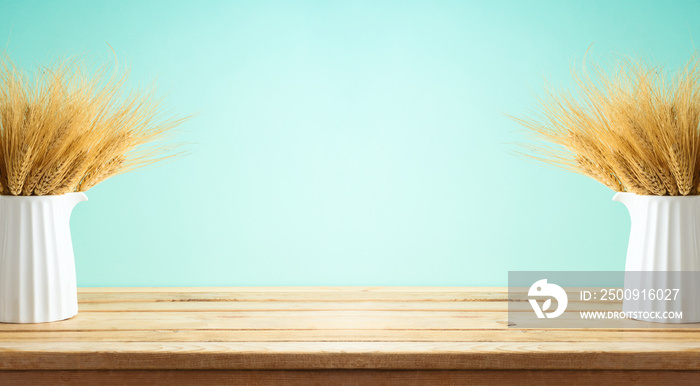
{"points": [[327, 334], [348, 378]]}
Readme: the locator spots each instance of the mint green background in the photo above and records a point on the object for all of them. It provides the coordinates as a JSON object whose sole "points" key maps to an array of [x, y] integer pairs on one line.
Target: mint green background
{"points": [[347, 142]]}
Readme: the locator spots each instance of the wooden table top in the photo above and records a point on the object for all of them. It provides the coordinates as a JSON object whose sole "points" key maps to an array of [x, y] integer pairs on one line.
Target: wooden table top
{"points": [[326, 328]]}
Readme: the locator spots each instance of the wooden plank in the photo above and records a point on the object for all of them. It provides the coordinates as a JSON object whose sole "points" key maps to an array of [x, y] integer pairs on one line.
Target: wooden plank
{"points": [[269, 320], [436, 335], [348, 377], [310, 320], [349, 355], [472, 306], [302, 295], [332, 328], [292, 289], [292, 306], [289, 296], [336, 320]]}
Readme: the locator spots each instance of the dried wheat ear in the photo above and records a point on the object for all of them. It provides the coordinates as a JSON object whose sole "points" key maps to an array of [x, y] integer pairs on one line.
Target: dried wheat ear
{"points": [[634, 129], [65, 129]]}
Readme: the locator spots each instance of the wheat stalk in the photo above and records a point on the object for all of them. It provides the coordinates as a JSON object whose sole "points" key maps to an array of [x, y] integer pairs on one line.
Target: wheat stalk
{"points": [[64, 128], [634, 129]]}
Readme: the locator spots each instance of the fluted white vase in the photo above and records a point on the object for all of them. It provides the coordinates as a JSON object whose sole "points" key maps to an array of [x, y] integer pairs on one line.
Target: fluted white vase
{"points": [[37, 267], [663, 254]]}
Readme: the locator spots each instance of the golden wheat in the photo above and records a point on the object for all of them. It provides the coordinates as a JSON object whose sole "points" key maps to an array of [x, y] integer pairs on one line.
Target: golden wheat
{"points": [[634, 129], [64, 128]]}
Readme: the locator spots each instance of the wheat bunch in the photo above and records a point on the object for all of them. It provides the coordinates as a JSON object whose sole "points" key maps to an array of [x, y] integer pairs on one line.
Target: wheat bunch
{"points": [[64, 128], [634, 129]]}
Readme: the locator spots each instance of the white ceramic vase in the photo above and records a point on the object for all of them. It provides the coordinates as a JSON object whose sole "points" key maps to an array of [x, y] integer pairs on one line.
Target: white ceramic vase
{"points": [[37, 267], [663, 254]]}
